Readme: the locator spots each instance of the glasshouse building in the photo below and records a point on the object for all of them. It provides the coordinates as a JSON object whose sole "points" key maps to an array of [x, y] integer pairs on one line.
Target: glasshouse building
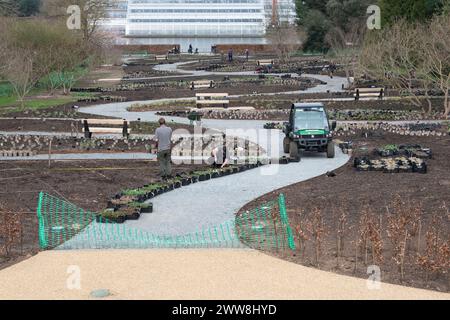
{"points": [[197, 18]]}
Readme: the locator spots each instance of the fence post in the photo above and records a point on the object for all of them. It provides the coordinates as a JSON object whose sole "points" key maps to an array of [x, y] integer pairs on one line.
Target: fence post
{"points": [[42, 238], [285, 221]]}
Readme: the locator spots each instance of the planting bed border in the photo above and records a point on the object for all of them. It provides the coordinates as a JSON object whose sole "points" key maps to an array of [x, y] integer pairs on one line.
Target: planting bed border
{"points": [[148, 192]]}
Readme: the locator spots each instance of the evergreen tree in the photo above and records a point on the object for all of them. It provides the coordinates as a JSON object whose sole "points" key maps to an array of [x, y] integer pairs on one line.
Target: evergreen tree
{"points": [[28, 7], [411, 10]]}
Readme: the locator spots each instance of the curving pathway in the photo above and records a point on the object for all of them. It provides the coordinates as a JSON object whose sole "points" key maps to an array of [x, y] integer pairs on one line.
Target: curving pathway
{"points": [[333, 85], [216, 201]]}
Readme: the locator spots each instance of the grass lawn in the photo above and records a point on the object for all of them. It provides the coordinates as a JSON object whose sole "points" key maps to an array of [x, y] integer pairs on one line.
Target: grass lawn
{"points": [[10, 104]]}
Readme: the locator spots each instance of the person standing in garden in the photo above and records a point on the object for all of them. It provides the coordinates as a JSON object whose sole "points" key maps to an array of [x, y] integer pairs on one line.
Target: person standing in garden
{"points": [[230, 55], [163, 137]]}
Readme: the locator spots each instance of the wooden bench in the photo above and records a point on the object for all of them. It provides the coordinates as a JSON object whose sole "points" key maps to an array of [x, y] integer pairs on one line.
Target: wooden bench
{"points": [[91, 126], [202, 84], [161, 57], [212, 99], [369, 93], [265, 62]]}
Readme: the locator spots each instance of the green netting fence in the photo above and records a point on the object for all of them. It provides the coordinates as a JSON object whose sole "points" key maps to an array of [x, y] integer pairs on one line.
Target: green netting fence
{"points": [[63, 225]]}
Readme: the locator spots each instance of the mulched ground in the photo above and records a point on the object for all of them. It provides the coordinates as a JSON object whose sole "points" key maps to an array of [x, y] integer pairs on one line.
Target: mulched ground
{"points": [[76, 126], [88, 184], [63, 111], [353, 191]]}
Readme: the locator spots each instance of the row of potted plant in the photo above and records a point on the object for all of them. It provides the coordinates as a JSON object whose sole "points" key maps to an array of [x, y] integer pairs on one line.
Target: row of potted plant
{"points": [[391, 165], [129, 204], [410, 150]]}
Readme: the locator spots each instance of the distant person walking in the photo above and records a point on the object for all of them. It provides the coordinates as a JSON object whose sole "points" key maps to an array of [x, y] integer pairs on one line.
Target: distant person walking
{"points": [[247, 53], [190, 50], [230, 55], [163, 136]]}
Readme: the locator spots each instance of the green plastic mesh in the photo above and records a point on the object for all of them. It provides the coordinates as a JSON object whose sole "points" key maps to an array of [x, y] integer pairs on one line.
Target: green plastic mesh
{"points": [[62, 225]]}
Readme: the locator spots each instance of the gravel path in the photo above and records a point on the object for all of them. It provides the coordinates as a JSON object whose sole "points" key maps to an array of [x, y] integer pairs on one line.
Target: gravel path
{"points": [[213, 202], [216, 201]]}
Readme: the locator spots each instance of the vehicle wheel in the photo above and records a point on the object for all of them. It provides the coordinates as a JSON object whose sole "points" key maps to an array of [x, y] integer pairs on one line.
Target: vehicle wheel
{"points": [[286, 143], [293, 151], [330, 150]]}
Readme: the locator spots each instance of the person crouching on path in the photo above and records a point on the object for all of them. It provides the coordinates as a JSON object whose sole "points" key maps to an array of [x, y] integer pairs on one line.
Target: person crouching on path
{"points": [[219, 156], [163, 136]]}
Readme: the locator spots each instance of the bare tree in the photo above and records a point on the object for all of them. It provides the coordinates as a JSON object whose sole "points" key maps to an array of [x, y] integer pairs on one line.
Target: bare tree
{"points": [[19, 72], [436, 46], [92, 13], [346, 45], [8, 7], [11, 230], [285, 39], [34, 49], [410, 57]]}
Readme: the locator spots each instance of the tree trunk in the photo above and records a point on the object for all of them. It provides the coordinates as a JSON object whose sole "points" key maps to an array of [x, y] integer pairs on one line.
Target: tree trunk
{"points": [[446, 104]]}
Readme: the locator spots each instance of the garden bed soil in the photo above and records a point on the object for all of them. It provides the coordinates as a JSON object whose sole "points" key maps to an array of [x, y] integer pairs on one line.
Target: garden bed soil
{"points": [[65, 111], [285, 102], [353, 190], [87, 184], [306, 64], [76, 126]]}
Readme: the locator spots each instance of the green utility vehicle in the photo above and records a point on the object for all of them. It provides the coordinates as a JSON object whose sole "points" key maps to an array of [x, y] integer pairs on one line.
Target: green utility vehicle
{"points": [[308, 129]]}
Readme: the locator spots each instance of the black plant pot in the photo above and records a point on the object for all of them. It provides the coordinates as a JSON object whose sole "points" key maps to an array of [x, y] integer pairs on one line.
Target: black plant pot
{"points": [[149, 209], [235, 170], [100, 219], [110, 205], [134, 216], [195, 179], [186, 181], [284, 160], [419, 169], [215, 175], [177, 185], [204, 177], [393, 170]]}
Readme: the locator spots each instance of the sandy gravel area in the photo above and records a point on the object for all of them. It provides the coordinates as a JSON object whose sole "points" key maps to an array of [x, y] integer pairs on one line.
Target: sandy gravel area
{"points": [[185, 274]]}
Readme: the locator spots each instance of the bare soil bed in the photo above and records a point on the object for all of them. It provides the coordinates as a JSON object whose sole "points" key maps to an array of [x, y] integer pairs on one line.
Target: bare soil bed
{"points": [[312, 65], [88, 184], [24, 125], [316, 207], [66, 111]]}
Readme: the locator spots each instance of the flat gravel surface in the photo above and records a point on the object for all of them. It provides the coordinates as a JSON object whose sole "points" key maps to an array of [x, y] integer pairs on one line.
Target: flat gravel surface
{"points": [[187, 275]]}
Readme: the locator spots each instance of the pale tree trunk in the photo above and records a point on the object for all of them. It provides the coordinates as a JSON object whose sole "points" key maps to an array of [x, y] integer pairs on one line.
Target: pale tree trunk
{"points": [[446, 104], [446, 89]]}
